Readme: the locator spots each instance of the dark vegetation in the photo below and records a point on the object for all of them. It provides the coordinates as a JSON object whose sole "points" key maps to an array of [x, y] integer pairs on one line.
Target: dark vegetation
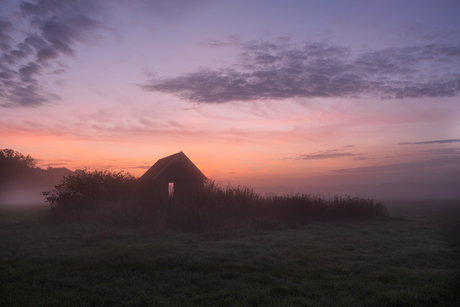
{"points": [[21, 181], [115, 198]]}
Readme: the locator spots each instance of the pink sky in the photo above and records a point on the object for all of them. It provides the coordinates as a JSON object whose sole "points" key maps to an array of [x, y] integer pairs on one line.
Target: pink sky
{"points": [[259, 93]]}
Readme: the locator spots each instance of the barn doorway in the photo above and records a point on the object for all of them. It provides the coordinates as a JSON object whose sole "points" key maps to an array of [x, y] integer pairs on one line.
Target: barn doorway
{"points": [[171, 189]]}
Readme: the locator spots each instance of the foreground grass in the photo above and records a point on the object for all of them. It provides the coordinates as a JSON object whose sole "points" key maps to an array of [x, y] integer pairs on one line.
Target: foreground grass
{"points": [[409, 261]]}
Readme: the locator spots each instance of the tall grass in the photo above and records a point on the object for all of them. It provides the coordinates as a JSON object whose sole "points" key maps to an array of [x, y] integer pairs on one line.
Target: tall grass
{"points": [[234, 206], [117, 199]]}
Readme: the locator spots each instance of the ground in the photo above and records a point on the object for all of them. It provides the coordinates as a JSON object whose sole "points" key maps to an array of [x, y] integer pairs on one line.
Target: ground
{"points": [[410, 260]]}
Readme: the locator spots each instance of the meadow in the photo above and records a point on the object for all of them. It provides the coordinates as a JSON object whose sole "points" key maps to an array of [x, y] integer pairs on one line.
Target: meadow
{"points": [[411, 259]]}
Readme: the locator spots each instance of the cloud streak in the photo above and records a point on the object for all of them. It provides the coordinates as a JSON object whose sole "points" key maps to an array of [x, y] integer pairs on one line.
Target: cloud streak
{"points": [[432, 142], [277, 70], [327, 154], [455, 159], [443, 151]]}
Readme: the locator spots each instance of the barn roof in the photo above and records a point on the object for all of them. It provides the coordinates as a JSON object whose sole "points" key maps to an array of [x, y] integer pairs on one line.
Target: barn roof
{"points": [[174, 167]]}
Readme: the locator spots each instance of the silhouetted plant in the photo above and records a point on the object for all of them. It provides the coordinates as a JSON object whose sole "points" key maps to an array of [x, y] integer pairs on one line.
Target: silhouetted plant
{"points": [[13, 163], [9, 157], [97, 192]]}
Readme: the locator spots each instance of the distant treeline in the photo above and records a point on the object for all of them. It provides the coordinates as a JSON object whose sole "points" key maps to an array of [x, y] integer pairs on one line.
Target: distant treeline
{"points": [[116, 198], [22, 182]]}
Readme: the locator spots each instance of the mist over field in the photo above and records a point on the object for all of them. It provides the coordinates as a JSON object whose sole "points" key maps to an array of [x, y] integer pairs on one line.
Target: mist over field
{"points": [[24, 186], [28, 189], [21, 182], [29, 192]]}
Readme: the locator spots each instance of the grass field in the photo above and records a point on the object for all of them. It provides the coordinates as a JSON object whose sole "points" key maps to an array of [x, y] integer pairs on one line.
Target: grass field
{"points": [[410, 260]]}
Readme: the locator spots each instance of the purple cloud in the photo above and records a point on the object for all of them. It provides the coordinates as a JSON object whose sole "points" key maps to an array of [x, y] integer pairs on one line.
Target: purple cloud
{"points": [[328, 154], [431, 142], [403, 166], [276, 70], [55, 28]]}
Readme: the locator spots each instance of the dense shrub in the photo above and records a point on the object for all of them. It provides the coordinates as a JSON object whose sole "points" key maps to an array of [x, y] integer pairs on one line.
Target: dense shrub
{"points": [[116, 198], [92, 193]]}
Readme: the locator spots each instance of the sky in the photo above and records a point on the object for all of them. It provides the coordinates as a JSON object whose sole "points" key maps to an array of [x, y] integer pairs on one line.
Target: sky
{"points": [[260, 93]]}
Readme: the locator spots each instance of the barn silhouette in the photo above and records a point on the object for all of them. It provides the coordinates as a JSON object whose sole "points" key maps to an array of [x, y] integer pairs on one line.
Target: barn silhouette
{"points": [[173, 176]]}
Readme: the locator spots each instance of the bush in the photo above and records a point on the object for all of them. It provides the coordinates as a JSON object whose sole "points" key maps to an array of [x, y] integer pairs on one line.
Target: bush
{"points": [[98, 192]]}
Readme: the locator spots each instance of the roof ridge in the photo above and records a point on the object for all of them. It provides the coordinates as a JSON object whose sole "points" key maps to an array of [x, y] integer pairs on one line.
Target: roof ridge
{"points": [[163, 166], [167, 165]]}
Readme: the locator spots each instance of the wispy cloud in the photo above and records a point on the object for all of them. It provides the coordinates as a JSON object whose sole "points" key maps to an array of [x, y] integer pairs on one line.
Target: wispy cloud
{"points": [[278, 70], [402, 166], [327, 154], [361, 158], [443, 151], [138, 167], [32, 41], [55, 27], [432, 142]]}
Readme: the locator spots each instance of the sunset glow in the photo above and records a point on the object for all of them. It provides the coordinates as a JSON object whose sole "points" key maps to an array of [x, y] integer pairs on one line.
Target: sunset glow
{"points": [[262, 93]]}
